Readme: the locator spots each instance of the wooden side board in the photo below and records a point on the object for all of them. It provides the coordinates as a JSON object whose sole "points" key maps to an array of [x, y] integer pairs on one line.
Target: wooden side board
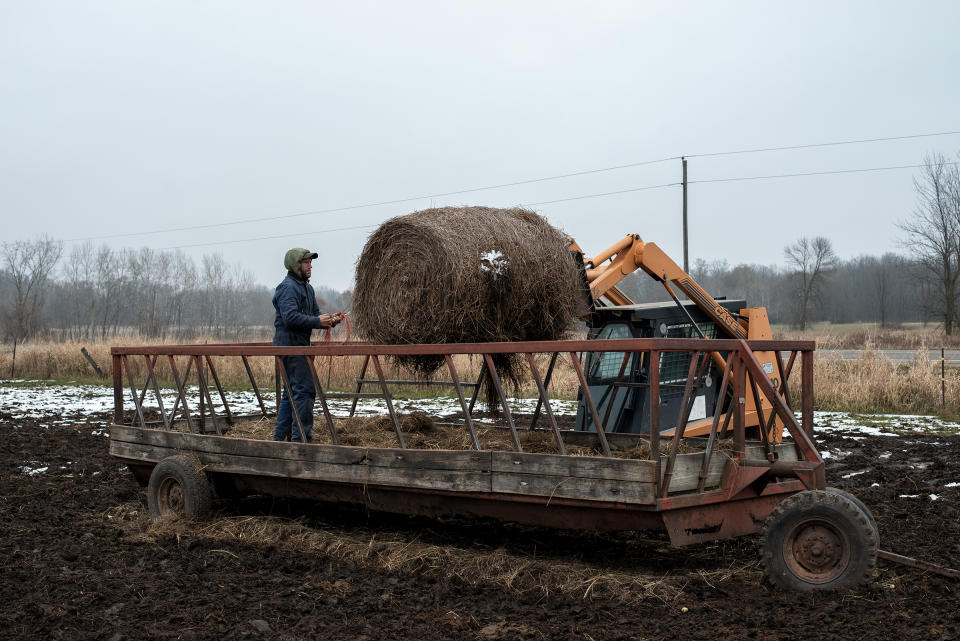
{"points": [[544, 475], [592, 467], [686, 470], [237, 464]]}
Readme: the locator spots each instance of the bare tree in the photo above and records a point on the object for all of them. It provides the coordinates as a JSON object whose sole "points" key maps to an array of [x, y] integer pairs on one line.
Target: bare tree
{"points": [[111, 281], [213, 285], [29, 264], [79, 275], [703, 270], [933, 236], [884, 277], [809, 261]]}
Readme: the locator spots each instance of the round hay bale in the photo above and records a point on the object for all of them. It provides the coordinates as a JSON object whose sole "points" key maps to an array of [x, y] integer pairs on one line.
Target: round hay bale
{"points": [[464, 275]]}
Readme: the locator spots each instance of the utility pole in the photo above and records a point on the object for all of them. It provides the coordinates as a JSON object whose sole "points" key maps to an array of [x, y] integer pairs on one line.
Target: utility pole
{"points": [[686, 260]]}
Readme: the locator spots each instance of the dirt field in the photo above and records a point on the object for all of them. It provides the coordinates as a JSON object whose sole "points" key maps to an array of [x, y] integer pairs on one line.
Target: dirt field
{"points": [[83, 561]]}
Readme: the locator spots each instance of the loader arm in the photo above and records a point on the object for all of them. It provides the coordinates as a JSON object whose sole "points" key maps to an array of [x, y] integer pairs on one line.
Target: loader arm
{"points": [[631, 254]]}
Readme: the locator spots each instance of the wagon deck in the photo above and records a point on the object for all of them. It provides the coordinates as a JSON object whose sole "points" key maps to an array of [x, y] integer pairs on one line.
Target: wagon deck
{"points": [[539, 489], [699, 496]]}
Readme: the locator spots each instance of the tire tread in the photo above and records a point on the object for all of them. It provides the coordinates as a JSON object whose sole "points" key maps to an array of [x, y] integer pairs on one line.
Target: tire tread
{"points": [[197, 489], [864, 539]]}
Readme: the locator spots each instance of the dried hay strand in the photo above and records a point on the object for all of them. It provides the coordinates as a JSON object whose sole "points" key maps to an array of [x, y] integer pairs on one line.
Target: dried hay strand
{"points": [[464, 275], [420, 431], [513, 570]]}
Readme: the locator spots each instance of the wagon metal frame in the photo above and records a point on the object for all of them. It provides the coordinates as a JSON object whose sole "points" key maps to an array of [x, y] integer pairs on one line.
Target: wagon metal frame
{"points": [[694, 497]]}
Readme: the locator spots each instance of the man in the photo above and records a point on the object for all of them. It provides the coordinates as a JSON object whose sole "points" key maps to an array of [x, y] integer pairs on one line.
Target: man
{"points": [[297, 316]]}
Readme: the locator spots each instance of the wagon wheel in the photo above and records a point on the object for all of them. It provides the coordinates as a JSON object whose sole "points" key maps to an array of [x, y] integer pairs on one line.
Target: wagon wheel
{"points": [[819, 540], [861, 505], [179, 487]]}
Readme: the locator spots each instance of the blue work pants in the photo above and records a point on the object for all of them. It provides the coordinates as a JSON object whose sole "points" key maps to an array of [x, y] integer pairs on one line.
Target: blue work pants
{"points": [[304, 395]]}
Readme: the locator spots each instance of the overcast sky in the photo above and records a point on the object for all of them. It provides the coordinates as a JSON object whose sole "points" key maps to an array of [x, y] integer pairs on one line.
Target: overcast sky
{"points": [[143, 117]]}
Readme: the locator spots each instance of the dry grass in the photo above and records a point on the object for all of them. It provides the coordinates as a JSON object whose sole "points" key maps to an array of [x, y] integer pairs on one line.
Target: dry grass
{"points": [[63, 361], [874, 384], [871, 383], [871, 336], [632, 577]]}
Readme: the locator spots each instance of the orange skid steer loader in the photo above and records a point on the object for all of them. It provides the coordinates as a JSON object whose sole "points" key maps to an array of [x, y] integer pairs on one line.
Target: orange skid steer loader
{"points": [[620, 380]]}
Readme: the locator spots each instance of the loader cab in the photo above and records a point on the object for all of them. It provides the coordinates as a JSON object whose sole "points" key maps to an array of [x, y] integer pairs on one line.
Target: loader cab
{"points": [[625, 407]]}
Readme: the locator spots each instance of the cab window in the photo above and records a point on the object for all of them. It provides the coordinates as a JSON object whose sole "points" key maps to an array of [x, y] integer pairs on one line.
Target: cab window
{"points": [[605, 366]]}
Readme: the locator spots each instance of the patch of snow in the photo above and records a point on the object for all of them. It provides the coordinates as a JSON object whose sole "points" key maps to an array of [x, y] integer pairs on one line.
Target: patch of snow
{"points": [[57, 404], [848, 423], [60, 405], [934, 497], [855, 428], [826, 454], [952, 485], [494, 262], [33, 471], [886, 455], [874, 485], [66, 404], [908, 496], [858, 473]]}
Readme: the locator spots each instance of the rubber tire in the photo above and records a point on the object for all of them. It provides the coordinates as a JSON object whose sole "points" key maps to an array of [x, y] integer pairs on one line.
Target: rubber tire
{"points": [[179, 487], [861, 505], [827, 510]]}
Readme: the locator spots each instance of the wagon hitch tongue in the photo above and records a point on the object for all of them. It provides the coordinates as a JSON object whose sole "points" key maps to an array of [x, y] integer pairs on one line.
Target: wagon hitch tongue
{"points": [[916, 563]]}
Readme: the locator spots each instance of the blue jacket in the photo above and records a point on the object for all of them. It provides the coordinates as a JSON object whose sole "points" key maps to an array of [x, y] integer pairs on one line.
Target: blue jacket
{"points": [[297, 310]]}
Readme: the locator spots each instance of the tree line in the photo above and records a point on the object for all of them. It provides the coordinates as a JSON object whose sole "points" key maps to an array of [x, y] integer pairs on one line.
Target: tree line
{"points": [[814, 286], [102, 292], [98, 292]]}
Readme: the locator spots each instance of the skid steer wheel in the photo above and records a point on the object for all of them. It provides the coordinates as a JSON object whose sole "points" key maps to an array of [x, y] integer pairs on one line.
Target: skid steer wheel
{"points": [[179, 487], [819, 540]]}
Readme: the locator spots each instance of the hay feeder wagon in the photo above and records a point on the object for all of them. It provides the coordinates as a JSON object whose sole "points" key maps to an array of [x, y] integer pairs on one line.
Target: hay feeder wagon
{"points": [[733, 483]]}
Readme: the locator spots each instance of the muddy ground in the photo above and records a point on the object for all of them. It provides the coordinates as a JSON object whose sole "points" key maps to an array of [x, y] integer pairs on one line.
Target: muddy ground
{"points": [[83, 561]]}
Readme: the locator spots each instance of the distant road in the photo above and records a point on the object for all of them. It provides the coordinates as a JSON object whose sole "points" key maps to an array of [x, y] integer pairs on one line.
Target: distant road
{"points": [[952, 356]]}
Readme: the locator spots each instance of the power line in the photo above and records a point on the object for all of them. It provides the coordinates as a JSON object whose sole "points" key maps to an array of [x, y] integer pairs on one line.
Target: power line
{"points": [[571, 198], [396, 201], [809, 173], [822, 144], [606, 193], [248, 240], [336, 229], [536, 180]]}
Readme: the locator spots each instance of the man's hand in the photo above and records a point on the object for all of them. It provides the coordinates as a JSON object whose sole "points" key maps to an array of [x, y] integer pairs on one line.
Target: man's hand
{"points": [[332, 320]]}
